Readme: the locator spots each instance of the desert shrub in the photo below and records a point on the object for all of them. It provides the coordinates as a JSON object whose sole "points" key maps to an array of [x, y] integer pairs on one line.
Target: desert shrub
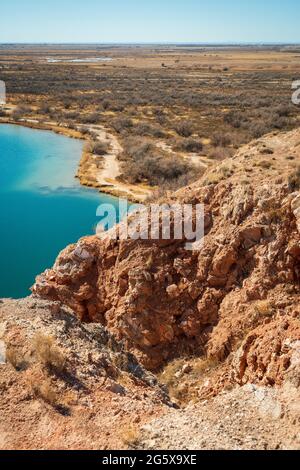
{"points": [[184, 128], [15, 358], [267, 151], [93, 135], [265, 164], [161, 119], [183, 180], [24, 109], [98, 147], [189, 145], [121, 124], [145, 129], [137, 148], [44, 109], [145, 162], [258, 129], [106, 104], [294, 180], [130, 436], [72, 115], [65, 101], [111, 105], [91, 118], [218, 175], [234, 118], [48, 353], [264, 308], [157, 169], [46, 392], [283, 110], [85, 131], [219, 153], [158, 112], [17, 114], [221, 139]]}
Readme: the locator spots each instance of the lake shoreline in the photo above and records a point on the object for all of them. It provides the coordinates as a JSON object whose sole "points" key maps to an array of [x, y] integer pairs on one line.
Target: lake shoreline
{"points": [[86, 168]]}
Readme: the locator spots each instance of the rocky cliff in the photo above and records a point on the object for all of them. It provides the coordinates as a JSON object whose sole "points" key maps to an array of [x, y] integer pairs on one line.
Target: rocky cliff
{"points": [[236, 301]]}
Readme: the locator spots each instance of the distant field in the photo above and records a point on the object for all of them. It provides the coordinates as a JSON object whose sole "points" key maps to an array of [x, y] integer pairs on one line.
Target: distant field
{"points": [[163, 102]]}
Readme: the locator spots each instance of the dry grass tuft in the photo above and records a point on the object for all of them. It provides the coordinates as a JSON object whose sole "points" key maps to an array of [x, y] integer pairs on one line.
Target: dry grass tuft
{"points": [[15, 358], [265, 164], [97, 148], [294, 180], [48, 353], [44, 389], [130, 436], [219, 174], [264, 308], [46, 392]]}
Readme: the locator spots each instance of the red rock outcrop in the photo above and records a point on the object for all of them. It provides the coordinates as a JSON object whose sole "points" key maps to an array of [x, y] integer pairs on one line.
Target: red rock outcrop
{"points": [[242, 287]]}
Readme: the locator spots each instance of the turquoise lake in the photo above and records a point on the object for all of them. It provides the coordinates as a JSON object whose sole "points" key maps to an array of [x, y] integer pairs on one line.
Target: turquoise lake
{"points": [[43, 208]]}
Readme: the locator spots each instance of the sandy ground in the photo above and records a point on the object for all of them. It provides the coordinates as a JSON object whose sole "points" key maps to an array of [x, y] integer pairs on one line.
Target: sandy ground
{"points": [[110, 169], [79, 407], [245, 418], [107, 176]]}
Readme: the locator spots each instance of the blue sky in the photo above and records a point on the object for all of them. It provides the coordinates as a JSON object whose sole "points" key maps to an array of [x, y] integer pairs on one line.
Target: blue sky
{"points": [[149, 21]]}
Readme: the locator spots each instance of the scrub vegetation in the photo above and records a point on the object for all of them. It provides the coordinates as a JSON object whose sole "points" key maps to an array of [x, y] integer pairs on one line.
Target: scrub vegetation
{"points": [[202, 101]]}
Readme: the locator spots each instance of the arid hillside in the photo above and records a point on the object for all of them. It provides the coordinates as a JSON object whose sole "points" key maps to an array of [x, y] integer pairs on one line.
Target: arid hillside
{"points": [[219, 327], [68, 385], [242, 287]]}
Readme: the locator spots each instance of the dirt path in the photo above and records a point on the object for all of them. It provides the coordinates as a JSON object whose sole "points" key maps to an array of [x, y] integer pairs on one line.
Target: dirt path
{"points": [[107, 176], [111, 168]]}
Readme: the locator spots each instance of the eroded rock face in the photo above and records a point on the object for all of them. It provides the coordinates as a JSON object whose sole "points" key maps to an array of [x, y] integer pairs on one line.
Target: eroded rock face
{"points": [[270, 351], [242, 287], [296, 208]]}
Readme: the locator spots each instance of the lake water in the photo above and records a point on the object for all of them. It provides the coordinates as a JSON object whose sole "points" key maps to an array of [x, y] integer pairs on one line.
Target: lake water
{"points": [[43, 208]]}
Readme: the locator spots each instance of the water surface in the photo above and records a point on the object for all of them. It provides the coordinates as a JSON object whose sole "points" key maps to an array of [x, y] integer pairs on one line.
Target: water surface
{"points": [[43, 208]]}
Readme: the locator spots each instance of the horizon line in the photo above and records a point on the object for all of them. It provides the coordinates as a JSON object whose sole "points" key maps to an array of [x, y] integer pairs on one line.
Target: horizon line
{"points": [[208, 43]]}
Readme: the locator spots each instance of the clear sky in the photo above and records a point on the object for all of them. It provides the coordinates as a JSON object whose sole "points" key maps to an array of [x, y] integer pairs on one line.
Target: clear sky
{"points": [[149, 21]]}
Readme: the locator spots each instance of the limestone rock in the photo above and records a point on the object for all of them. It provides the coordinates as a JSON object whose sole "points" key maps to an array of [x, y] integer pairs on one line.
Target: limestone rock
{"points": [[241, 287]]}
